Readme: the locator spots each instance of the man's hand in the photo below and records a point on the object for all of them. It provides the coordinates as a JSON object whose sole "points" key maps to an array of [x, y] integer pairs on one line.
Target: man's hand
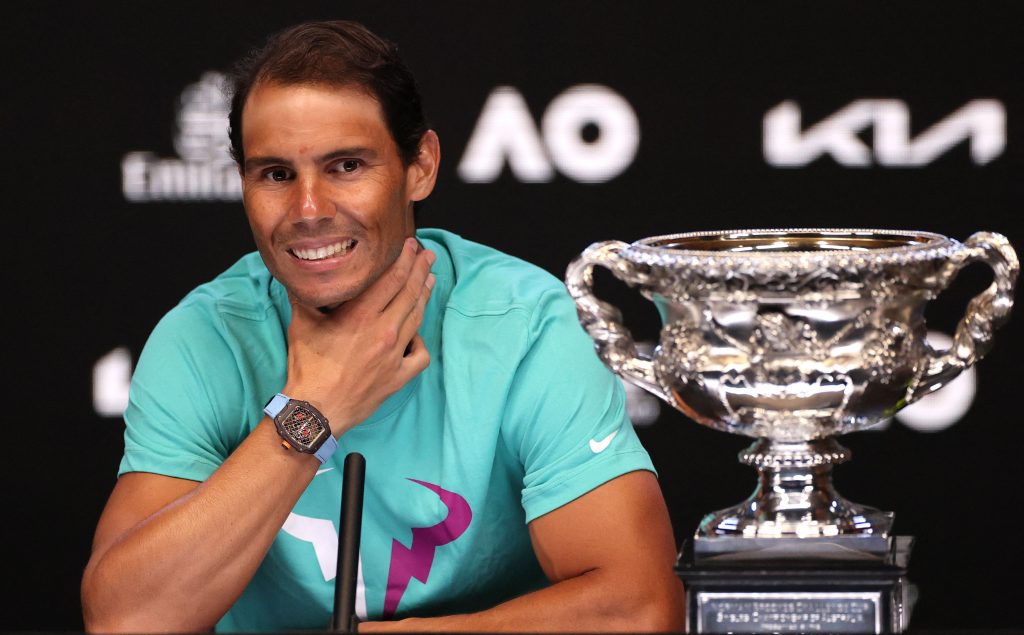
{"points": [[348, 361]]}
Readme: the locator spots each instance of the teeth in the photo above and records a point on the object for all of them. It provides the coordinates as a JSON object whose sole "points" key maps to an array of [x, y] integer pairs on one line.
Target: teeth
{"points": [[324, 252]]}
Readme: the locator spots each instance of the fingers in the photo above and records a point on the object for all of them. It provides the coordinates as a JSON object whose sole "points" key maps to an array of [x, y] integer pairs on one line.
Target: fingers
{"points": [[415, 286], [414, 319], [380, 294], [417, 359]]}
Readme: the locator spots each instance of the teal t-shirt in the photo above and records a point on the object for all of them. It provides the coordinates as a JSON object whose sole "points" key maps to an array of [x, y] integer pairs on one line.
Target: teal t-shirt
{"points": [[514, 417]]}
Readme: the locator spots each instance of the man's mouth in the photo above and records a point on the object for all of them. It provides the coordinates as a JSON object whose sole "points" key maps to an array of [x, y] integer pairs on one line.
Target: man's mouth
{"points": [[339, 248]]}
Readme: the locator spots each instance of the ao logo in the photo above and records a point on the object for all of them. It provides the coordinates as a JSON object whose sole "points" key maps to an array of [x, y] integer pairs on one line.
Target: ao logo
{"points": [[589, 133], [981, 121]]}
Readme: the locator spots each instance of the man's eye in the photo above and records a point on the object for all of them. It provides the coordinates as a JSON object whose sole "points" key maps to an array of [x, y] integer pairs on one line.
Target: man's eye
{"points": [[349, 165], [279, 174]]}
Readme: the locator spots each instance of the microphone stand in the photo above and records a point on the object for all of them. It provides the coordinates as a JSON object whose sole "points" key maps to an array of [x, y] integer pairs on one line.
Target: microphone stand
{"points": [[344, 619]]}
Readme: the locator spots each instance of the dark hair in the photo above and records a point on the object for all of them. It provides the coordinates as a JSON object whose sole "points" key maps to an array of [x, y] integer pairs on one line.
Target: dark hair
{"points": [[336, 53]]}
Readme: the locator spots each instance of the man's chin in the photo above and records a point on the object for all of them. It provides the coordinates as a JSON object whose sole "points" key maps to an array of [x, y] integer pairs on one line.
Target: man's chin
{"points": [[328, 308], [323, 302]]}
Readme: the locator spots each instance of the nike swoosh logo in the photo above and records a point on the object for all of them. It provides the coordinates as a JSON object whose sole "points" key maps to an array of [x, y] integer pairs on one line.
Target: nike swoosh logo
{"points": [[598, 447], [326, 469]]}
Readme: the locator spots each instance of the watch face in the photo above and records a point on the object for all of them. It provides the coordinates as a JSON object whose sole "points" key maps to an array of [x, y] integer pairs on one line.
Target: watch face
{"points": [[303, 427]]}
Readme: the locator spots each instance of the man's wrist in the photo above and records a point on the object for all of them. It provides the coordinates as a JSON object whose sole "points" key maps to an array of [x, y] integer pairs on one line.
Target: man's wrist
{"points": [[339, 419]]}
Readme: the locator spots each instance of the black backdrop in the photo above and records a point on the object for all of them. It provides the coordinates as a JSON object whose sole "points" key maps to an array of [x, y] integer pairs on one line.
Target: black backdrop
{"points": [[89, 271]]}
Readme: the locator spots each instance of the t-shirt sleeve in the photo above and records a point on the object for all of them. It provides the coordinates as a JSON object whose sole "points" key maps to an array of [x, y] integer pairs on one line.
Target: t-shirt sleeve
{"points": [[566, 415], [185, 400]]}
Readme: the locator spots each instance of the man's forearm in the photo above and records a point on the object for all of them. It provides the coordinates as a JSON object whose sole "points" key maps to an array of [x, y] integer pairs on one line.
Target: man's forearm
{"points": [[599, 600], [181, 568]]}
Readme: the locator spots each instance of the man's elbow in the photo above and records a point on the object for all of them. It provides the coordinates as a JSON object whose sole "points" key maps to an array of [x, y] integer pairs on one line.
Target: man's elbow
{"points": [[135, 622], [93, 619], [98, 620], [113, 624], [103, 611], [662, 609], [660, 619], [93, 624]]}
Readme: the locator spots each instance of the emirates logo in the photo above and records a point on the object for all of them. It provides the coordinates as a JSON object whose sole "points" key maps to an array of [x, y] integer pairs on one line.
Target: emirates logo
{"points": [[203, 170]]}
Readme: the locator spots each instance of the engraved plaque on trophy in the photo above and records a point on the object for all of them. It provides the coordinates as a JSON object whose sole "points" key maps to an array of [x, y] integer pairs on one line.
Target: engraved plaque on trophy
{"points": [[794, 337]]}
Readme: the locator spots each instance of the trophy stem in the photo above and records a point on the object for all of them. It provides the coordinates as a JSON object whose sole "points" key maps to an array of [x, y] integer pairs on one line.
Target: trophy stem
{"points": [[795, 509]]}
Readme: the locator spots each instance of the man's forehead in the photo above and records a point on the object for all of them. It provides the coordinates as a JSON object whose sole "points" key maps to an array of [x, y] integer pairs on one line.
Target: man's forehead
{"points": [[273, 111], [268, 90]]}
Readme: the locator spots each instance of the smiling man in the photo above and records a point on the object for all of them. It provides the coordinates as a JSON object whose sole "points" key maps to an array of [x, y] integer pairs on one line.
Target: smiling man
{"points": [[506, 490]]}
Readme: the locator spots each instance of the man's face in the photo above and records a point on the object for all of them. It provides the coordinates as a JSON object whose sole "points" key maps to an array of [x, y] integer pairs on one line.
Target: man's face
{"points": [[327, 196]]}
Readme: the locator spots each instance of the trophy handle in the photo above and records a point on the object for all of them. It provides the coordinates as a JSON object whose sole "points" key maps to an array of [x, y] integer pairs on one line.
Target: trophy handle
{"points": [[613, 341], [985, 313]]}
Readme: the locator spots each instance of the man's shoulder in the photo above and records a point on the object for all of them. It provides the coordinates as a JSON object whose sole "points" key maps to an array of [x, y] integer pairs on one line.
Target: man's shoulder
{"points": [[488, 281], [240, 303], [244, 290]]}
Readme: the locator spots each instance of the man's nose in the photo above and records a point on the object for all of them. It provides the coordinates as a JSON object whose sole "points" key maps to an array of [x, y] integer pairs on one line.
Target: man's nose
{"points": [[313, 202]]}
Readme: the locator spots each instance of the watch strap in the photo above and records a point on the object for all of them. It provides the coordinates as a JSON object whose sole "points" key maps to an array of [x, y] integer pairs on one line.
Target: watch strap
{"points": [[276, 404], [327, 450]]}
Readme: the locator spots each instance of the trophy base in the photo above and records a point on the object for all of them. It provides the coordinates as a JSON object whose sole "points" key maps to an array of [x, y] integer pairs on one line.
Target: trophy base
{"points": [[847, 548], [805, 593]]}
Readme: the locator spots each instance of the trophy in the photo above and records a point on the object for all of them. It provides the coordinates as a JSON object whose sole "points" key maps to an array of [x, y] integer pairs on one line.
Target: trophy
{"points": [[794, 337]]}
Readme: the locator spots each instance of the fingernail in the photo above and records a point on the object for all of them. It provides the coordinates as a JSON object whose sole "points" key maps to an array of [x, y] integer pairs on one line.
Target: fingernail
{"points": [[410, 243], [431, 257], [431, 279]]}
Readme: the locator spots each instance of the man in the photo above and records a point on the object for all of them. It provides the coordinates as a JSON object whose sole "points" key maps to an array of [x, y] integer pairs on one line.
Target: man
{"points": [[505, 488]]}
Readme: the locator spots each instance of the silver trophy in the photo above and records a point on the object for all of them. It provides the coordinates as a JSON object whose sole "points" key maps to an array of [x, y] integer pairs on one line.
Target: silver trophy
{"points": [[793, 337]]}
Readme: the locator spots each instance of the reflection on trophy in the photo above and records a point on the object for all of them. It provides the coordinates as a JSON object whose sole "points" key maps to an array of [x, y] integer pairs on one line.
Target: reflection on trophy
{"points": [[794, 337]]}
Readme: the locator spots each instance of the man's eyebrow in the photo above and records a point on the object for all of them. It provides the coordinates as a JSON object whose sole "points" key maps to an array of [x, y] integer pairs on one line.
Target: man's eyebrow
{"points": [[355, 152], [254, 163]]}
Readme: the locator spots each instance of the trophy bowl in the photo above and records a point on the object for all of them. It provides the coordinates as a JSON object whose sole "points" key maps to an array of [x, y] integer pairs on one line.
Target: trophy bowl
{"points": [[793, 337]]}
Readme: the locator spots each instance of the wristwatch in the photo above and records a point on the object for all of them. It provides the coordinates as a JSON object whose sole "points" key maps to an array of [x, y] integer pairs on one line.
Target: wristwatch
{"points": [[301, 426]]}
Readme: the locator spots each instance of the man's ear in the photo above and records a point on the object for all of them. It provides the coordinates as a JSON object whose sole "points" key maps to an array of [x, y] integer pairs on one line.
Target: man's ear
{"points": [[422, 172]]}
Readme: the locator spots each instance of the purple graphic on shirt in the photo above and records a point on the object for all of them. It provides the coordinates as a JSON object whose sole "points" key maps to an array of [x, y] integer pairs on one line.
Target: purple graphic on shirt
{"points": [[415, 561]]}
